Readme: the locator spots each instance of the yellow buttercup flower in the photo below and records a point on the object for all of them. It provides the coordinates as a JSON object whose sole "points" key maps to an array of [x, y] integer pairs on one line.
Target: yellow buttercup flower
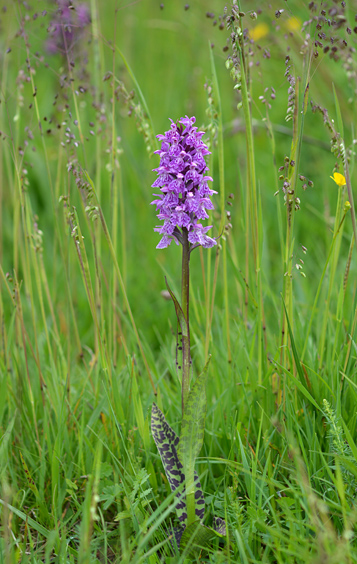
{"points": [[294, 24], [339, 179], [259, 31]]}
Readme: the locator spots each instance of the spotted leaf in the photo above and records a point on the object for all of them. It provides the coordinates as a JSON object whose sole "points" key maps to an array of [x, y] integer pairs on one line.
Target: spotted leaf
{"points": [[219, 525], [166, 441]]}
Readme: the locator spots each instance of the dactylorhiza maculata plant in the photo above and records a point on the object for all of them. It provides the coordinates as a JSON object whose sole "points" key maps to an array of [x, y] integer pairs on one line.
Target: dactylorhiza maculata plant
{"points": [[185, 197], [182, 204]]}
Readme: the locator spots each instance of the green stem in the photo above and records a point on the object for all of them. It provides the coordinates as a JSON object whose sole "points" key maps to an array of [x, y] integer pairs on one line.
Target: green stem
{"points": [[186, 365], [331, 286], [185, 304], [121, 282], [320, 285], [252, 201], [222, 204], [190, 494]]}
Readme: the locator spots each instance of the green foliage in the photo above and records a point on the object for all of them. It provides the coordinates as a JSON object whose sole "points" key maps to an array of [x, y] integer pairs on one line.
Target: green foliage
{"points": [[167, 443], [195, 538], [178, 462], [340, 447], [179, 313], [191, 441], [86, 329]]}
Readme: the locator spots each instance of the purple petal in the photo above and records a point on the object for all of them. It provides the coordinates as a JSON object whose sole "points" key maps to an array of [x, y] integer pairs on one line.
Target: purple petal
{"points": [[185, 195]]}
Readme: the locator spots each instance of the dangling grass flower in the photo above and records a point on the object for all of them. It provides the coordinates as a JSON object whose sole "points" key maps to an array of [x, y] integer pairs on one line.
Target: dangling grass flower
{"points": [[339, 179], [185, 194]]}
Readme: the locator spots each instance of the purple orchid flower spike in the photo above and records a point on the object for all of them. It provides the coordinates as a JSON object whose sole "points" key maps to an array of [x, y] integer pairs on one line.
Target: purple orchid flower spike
{"points": [[185, 194]]}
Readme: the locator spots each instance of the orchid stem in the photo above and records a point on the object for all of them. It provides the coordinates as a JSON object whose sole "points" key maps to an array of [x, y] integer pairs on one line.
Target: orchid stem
{"points": [[185, 304]]}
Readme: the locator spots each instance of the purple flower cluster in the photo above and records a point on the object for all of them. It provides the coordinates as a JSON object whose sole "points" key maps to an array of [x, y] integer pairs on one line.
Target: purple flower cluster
{"points": [[65, 28], [185, 193]]}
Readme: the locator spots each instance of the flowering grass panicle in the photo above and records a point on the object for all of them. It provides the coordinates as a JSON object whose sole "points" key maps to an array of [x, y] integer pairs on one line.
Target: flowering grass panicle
{"points": [[181, 178]]}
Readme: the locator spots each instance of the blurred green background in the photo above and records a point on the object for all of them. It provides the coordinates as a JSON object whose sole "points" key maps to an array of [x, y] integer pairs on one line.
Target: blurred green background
{"points": [[168, 50]]}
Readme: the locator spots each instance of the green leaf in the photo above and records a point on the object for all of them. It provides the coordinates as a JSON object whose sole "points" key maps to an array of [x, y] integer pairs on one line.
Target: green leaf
{"points": [[219, 525], [166, 441], [4, 439], [106, 470], [30, 480], [143, 425], [179, 313], [299, 385], [71, 487], [36, 526], [350, 440], [141, 478], [193, 420], [338, 112], [182, 341], [191, 439], [195, 538], [110, 494], [294, 350]]}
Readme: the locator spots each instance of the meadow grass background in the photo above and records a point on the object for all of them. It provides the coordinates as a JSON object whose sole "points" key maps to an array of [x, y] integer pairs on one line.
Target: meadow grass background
{"points": [[87, 337]]}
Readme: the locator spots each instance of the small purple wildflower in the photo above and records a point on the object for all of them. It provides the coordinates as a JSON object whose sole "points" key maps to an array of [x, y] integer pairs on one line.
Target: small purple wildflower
{"points": [[185, 193], [66, 26]]}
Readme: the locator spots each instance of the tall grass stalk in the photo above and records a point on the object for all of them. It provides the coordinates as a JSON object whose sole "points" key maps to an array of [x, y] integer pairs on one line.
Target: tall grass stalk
{"points": [[294, 163], [313, 311], [332, 273], [253, 226], [222, 197], [121, 283]]}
